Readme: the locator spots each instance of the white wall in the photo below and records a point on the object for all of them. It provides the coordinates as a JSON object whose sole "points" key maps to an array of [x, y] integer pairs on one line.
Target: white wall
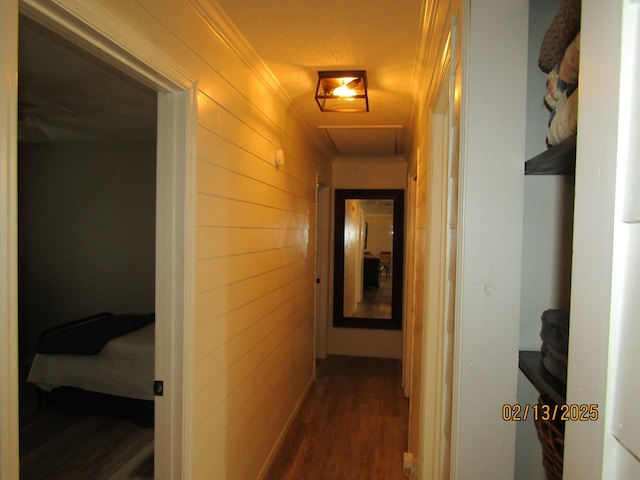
{"points": [[490, 228], [598, 305], [380, 233], [362, 173], [624, 391], [86, 233]]}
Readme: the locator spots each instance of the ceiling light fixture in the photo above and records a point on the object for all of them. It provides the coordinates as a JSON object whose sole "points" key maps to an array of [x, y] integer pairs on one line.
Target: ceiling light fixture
{"points": [[342, 91]]}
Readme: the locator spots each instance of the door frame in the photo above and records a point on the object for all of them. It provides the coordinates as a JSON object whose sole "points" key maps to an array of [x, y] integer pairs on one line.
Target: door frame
{"points": [[323, 214], [430, 344], [92, 27], [9, 425]]}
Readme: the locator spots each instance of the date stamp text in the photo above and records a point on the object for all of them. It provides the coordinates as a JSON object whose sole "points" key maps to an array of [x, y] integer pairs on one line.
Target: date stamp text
{"points": [[565, 412]]}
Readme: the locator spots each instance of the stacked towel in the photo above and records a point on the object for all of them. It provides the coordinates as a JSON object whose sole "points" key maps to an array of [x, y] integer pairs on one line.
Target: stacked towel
{"points": [[555, 342], [560, 58]]}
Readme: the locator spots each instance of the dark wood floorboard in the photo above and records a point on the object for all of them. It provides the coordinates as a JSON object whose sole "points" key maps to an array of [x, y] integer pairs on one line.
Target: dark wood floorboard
{"points": [[376, 302], [55, 446], [352, 425]]}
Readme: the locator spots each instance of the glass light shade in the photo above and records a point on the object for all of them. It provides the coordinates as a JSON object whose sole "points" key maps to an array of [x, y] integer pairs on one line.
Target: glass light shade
{"points": [[342, 91]]}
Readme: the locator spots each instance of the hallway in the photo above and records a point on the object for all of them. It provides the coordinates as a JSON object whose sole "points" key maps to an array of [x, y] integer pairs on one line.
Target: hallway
{"points": [[353, 424]]}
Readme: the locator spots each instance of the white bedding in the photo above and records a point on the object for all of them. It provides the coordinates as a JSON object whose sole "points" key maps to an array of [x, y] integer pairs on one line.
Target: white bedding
{"points": [[124, 367]]}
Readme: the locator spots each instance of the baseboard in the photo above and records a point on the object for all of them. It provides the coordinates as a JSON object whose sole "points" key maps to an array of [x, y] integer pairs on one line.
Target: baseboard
{"points": [[276, 447], [358, 342]]}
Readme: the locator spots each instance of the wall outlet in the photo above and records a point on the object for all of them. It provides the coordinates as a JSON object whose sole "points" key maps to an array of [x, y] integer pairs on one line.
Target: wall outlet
{"points": [[408, 463]]}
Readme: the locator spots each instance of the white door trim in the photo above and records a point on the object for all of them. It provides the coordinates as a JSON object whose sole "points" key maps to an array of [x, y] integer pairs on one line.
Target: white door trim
{"points": [[175, 261], [9, 425], [90, 26], [322, 269], [409, 281]]}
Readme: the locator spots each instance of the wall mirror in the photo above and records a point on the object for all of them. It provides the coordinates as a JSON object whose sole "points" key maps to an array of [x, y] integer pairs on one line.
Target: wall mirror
{"points": [[369, 259]]}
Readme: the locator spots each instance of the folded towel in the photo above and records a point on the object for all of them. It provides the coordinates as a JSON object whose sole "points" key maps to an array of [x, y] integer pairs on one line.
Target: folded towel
{"points": [[555, 342]]}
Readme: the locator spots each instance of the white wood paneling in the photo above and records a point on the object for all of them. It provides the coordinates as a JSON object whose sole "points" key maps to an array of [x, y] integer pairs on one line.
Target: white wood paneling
{"points": [[254, 273], [429, 419], [254, 270]]}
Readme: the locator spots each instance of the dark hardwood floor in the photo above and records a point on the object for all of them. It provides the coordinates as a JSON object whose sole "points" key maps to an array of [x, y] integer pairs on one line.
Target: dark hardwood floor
{"points": [[352, 425], [376, 302], [55, 446]]}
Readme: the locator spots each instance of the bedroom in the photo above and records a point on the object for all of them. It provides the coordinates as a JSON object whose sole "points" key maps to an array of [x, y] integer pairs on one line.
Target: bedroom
{"points": [[86, 201]]}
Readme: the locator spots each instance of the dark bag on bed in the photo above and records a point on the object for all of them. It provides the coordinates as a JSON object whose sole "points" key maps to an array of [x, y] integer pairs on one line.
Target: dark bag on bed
{"points": [[88, 336]]}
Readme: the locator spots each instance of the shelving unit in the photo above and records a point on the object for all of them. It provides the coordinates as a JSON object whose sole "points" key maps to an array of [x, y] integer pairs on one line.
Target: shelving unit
{"points": [[558, 160], [547, 252], [530, 362]]}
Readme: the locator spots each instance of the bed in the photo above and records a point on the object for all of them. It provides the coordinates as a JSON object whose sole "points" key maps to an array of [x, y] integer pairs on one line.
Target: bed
{"points": [[103, 364]]}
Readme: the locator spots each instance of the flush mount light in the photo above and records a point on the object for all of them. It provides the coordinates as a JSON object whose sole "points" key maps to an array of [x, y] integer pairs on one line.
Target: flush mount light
{"points": [[342, 91]]}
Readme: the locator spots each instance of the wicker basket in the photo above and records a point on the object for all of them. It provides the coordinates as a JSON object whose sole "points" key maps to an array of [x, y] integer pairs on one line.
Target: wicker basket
{"points": [[551, 436]]}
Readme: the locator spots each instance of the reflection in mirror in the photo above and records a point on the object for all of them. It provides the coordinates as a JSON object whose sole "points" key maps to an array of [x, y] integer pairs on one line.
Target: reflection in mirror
{"points": [[368, 270], [368, 244]]}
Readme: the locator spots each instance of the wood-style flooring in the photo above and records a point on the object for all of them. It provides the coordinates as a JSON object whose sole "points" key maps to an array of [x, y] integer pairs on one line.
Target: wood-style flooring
{"points": [[376, 302], [55, 446], [352, 425]]}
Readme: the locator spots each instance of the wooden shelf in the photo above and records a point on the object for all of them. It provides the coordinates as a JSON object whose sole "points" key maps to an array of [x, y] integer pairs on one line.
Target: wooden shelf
{"points": [[558, 160], [531, 365]]}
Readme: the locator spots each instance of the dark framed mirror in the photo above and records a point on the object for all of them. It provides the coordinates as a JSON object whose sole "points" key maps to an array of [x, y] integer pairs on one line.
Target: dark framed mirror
{"points": [[368, 259]]}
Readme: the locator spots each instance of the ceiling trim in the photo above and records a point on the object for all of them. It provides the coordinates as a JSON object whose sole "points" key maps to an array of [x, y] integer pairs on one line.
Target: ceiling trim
{"points": [[359, 126], [373, 140], [227, 31]]}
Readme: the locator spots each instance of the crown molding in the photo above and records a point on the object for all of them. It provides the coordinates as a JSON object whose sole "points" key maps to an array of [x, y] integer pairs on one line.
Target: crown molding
{"points": [[231, 36], [432, 62]]}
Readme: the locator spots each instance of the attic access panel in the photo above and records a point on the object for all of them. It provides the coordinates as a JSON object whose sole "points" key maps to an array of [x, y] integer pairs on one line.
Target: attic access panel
{"points": [[355, 141]]}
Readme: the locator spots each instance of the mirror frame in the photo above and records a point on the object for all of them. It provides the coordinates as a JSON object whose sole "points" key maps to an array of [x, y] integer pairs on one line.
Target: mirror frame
{"points": [[339, 320]]}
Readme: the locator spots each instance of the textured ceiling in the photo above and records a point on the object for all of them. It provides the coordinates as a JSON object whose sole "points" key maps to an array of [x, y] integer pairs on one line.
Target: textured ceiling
{"points": [[293, 38], [296, 39], [85, 101]]}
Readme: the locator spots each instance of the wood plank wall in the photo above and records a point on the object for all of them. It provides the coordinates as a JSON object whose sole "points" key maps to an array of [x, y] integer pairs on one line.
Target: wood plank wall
{"points": [[429, 438], [255, 244]]}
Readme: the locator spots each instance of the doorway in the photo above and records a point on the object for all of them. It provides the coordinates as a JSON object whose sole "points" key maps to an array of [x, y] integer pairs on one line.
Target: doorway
{"points": [[86, 244], [177, 121]]}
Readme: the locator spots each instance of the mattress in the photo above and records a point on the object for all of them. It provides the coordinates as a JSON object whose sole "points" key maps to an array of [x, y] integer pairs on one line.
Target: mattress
{"points": [[124, 367]]}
